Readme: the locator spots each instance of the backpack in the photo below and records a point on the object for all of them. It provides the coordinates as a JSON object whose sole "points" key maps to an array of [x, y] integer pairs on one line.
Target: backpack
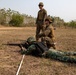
{"points": [[41, 47]]}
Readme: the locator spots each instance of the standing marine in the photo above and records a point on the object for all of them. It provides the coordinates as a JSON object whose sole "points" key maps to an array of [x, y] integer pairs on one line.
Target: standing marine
{"points": [[40, 21]]}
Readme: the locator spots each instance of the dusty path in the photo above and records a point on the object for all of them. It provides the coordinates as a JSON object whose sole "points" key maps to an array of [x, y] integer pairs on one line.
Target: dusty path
{"points": [[10, 56]]}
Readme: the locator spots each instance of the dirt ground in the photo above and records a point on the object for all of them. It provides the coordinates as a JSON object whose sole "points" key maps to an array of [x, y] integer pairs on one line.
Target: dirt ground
{"points": [[10, 56]]}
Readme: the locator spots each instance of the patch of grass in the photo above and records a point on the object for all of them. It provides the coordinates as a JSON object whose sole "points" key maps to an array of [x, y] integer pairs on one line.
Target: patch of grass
{"points": [[46, 62], [22, 73], [42, 73]]}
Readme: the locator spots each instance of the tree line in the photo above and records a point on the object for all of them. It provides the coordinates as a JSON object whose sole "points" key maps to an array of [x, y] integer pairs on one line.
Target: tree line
{"points": [[14, 18]]}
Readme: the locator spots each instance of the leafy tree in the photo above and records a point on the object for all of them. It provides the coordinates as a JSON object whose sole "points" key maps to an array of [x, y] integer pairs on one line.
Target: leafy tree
{"points": [[72, 24], [16, 20], [2, 16], [65, 25]]}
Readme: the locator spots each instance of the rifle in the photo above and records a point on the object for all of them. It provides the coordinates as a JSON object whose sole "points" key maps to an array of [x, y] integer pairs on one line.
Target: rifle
{"points": [[23, 46]]}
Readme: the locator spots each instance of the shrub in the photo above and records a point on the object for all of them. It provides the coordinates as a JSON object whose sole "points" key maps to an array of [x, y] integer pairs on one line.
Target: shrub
{"points": [[16, 20]]}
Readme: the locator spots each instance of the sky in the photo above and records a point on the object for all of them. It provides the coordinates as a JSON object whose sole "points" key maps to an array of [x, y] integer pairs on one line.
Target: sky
{"points": [[65, 9]]}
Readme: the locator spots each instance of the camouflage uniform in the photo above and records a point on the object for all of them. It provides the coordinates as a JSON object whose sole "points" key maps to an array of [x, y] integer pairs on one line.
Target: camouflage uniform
{"points": [[51, 53], [40, 20], [48, 36], [55, 54]]}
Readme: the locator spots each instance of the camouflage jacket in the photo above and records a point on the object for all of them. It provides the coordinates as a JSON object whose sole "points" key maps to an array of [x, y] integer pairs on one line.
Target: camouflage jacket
{"points": [[48, 32]]}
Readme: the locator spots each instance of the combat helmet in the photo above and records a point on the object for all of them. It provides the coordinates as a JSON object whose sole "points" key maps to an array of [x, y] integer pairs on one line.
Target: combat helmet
{"points": [[49, 19], [41, 4], [31, 39]]}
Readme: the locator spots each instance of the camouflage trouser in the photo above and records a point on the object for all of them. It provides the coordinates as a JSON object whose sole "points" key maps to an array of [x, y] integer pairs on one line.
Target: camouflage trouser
{"points": [[39, 27], [49, 42], [62, 56]]}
